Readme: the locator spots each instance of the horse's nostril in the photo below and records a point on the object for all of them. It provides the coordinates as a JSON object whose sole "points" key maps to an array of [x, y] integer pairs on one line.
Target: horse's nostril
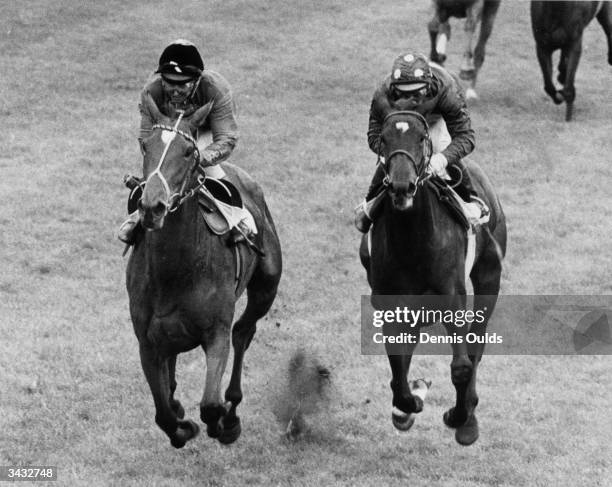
{"points": [[411, 188], [159, 208]]}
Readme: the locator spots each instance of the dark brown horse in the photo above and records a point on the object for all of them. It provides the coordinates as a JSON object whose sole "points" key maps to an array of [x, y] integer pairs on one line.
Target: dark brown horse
{"points": [[474, 11], [418, 248], [183, 285], [559, 25]]}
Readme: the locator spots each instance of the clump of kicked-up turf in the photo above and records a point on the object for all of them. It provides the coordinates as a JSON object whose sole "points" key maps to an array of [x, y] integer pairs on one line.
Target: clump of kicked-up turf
{"points": [[306, 390]]}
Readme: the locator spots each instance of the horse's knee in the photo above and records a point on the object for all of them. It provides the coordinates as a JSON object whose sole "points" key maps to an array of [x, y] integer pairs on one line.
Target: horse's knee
{"points": [[433, 26], [461, 371]]}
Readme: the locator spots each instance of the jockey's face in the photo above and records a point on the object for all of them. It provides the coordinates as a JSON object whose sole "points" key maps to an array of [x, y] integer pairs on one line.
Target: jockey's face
{"points": [[177, 90]]}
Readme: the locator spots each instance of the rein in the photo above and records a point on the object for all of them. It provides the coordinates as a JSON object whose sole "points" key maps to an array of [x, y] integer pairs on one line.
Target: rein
{"points": [[175, 200], [422, 172]]}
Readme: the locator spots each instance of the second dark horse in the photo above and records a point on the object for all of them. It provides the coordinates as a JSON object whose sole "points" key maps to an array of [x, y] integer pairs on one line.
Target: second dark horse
{"points": [[418, 248], [559, 25]]}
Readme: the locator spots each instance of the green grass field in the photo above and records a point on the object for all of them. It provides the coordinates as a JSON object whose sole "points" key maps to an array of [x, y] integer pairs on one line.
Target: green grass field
{"points": [[72, 393]]}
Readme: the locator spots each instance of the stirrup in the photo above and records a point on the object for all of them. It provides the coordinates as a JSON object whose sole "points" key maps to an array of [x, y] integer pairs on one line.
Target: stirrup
{"points": [[362, 219], [485, 213], [128, 230]]}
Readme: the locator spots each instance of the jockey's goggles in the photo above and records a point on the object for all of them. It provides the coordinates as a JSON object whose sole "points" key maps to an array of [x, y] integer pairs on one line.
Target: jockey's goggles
{"points": [[177, 82]]}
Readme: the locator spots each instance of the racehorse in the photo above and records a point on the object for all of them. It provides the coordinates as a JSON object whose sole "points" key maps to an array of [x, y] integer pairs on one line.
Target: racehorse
{"points": [[417, 248], [474, 11], [559, 25], [183, 282]]}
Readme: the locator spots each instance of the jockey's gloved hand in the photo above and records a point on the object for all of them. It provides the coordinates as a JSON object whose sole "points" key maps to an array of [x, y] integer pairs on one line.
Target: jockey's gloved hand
{"points": [[208, 157], [437, 164]]}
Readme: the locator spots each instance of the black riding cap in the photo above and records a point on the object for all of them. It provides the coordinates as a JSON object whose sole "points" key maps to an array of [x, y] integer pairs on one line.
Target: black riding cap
{"points": [[181, 57]]}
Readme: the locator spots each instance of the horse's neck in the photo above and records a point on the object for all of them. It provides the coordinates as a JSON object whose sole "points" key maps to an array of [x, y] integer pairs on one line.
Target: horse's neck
{"points": [[418, 226], [174, 249]]}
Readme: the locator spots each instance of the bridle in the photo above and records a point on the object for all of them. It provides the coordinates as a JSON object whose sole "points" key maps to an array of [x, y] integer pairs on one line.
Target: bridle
{"points": [[175, 200], [422, 169]]}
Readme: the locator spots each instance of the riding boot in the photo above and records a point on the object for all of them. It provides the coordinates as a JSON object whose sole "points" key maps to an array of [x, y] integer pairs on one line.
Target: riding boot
{"points": [[477, 210], [130, 229], [365, 212]]}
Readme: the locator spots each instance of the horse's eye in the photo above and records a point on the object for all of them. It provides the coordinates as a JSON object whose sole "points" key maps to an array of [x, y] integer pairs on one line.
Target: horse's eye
{"points": [[143, 148], [189, 151]]}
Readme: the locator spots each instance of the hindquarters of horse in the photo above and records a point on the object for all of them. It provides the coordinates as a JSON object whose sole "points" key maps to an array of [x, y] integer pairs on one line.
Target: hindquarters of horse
{"points": [[253, 198], [557, 24], [267, 269]]}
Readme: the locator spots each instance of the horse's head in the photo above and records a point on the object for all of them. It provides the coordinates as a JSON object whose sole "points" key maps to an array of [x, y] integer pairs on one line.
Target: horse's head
{"points": [[170, 160], [406, 146]]}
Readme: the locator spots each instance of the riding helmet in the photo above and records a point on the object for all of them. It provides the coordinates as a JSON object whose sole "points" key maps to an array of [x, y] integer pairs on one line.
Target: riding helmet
{"points": [[411, 71], [181, 57]]}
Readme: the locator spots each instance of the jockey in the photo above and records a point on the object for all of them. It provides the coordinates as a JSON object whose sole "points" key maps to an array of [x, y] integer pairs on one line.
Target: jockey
{"points": [[182, 84], [419, 85]]}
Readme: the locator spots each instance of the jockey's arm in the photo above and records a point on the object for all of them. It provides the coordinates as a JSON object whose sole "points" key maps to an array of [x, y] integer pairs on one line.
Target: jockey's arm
{"points": [[146, 119], [374, 126], [453, 108], [224, 132]]}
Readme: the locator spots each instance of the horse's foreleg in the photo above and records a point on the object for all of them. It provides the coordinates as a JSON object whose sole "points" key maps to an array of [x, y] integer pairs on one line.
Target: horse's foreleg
{"points": [[604, 17], [473, 14], [158, 376], [404, 402], [439, 35], [174, 403], [545, 60], [485, 279], [486, 27], [572, 54], [461, 369], [216, 347]]}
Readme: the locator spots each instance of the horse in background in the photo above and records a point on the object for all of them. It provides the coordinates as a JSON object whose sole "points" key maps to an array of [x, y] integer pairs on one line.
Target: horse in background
{"points": [[183, 281], [419, 248], [560, 25], [474, 12]]}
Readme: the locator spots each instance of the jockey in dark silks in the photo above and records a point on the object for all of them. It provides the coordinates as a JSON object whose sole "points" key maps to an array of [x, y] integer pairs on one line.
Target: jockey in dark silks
{"points": [[418, 85], [182, 84]]}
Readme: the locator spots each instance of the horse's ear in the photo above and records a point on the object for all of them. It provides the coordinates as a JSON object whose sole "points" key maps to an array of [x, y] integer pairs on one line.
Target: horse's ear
{"points": [[200, 114], [152, 108]]}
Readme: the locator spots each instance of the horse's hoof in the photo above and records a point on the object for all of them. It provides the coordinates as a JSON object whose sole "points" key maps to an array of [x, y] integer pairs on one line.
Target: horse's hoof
{"points": [[213, 430], [467, 433], [558, 98], [230, 432], [401, 420], [185, 431], [452, 419], [438, 58], [470, 94]]}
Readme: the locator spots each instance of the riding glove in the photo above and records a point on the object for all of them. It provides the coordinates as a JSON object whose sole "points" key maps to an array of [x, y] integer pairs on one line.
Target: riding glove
{"points": [[437, 164]]}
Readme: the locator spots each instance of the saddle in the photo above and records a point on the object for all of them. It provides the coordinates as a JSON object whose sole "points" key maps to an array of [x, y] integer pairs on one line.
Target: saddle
{"points": [[222, 208], [220, 205]]}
